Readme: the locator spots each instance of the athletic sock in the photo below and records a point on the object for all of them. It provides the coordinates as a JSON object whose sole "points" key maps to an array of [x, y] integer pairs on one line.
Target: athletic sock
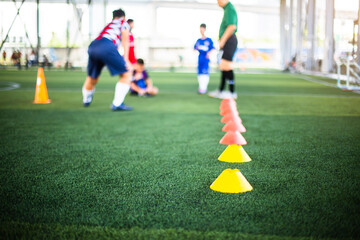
{"points": [[87, 95], [121, 89], [231, 80], [223, 81], [203, 80]]}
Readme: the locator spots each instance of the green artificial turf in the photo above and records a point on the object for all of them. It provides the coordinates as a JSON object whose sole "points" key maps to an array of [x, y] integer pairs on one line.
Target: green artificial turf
{"points": [[73, 172]]}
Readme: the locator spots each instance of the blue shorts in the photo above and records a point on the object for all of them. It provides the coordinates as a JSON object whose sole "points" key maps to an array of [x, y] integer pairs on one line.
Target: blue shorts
{"points": [[104, 52], [203, 65]]}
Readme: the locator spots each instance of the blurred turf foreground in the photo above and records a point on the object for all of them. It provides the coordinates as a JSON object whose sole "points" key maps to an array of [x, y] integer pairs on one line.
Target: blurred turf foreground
{"points": [[69, 172]]}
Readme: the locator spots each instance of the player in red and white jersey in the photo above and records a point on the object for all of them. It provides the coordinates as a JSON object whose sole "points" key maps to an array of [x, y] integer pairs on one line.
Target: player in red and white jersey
{"points": [[113, 30], [104, 51], [132, 57]]}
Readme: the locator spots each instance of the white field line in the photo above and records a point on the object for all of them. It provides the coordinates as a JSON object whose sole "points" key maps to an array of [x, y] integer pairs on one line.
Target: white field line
{"points": [[321, 82], [9, 86], [258, 94], [316, 81]]}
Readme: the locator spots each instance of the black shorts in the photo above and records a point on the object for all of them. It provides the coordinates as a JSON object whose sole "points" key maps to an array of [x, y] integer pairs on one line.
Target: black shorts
{"points": [[230, 48]]}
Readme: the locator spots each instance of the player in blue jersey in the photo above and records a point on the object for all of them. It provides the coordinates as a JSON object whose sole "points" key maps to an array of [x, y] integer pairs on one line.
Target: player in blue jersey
{"points": [[204, 45], [142, 84]]}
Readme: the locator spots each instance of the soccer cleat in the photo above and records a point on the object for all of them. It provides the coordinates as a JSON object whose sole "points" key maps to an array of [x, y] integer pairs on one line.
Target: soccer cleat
{"points": [[234, 95], [201, 91], [214, 94], [122, 107], [88, 101], [225, 94]]}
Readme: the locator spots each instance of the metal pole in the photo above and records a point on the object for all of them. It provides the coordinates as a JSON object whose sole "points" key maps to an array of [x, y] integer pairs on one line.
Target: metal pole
{"points": [[290, 30], [105, 5], [68, 37], [298, 34], [7, 34], [25, 30], [328, 62], [38, 30], [310, 63], [358, 37], [338, 73], [283, 33], [90, 20], [348, 73]]}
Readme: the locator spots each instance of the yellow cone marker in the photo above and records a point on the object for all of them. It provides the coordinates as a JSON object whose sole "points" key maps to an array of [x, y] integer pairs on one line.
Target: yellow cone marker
{"points": [[231, 181], [234, 153]]}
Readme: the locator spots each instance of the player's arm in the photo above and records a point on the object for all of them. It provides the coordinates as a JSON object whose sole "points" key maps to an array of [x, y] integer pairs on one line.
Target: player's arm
{"points": [[227, 34], [126, 43], [196, 46], [209, 52], [149, 84], [212, 48]]}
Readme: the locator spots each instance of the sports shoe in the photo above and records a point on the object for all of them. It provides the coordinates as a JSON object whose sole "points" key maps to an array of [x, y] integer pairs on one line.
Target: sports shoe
{"points": [[225, 94], [201, 91], [234, 95], [215, 94], [88, 101], [122, 107]]}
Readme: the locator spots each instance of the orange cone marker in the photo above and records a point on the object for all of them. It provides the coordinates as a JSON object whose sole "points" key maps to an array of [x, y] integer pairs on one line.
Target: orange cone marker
{"points": [[234, 126], [228, 109], [231, 116], [227, 104], [41, 94], [228, 100], [231, 138]]}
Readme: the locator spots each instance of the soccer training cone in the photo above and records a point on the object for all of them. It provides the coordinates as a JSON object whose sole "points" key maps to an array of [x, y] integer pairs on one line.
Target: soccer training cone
{"points": [[234, 126], [231, 116], [224, 105], [234, 153], [41, 94], [228, 100], [231, 138], [228, 109], [231, 181]]}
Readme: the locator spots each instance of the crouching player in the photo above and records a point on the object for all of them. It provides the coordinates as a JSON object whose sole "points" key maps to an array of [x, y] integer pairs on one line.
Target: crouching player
{"points": [[141, 84], [204, 45], [104, 51]]}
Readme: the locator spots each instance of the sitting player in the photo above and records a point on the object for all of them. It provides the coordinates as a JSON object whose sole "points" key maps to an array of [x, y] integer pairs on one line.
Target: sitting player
{"points": [[141, 83]]}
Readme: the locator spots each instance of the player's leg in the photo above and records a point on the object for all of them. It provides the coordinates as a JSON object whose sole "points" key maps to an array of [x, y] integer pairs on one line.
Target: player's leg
{"points": [[227, 76], [121, 89], [88, 90], [117, 66], [226, 67], [93, 72], [203, 76], [153, 91], [203, 83]]}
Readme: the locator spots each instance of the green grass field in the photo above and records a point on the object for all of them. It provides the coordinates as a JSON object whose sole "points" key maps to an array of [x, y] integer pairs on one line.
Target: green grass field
{"points": [[69, 172]]}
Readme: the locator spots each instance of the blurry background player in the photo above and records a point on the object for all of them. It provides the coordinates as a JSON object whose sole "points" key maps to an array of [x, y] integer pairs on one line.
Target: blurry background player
{"points": [[141, 83], [132, 58], [103, 51], [204, 45], [228, 44]]}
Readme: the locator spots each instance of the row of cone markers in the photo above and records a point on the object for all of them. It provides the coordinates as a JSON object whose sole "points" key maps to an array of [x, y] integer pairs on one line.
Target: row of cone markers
{"points": [[231, 180]]}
